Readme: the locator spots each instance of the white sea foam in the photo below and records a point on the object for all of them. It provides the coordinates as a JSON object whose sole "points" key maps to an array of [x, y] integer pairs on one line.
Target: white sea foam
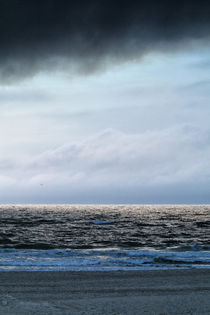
{"points": [[101, 259]]}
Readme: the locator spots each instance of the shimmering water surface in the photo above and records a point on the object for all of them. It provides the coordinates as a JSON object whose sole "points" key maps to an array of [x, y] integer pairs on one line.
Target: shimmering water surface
{"points": [[104, 237]]}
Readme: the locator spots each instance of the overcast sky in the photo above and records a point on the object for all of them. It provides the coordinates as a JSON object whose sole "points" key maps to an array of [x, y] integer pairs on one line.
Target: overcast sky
{"points": [[104, 101]]}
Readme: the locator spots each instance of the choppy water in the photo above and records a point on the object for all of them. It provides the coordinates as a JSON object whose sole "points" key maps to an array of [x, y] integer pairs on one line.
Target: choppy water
{"points": [[108, 237]]}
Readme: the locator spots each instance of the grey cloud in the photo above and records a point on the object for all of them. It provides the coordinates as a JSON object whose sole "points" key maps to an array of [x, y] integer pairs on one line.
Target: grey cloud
{"points": [[22, 96], [204, 65], [40, 35], [198, 85]]}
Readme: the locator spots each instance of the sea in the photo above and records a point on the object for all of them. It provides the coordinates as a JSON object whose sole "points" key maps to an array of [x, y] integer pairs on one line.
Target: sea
{"points": [[104, 237]]}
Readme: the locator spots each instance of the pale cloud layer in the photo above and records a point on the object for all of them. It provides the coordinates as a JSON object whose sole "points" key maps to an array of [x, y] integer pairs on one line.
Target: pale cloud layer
{"points": [[115, 166]]}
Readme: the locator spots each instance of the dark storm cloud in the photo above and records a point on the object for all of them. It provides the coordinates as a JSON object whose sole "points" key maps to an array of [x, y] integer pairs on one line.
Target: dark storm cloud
{"points": [[36, 35]]}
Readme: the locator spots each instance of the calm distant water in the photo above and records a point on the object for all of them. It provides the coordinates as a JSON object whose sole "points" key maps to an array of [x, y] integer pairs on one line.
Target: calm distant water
{"points": [[104, 237]]}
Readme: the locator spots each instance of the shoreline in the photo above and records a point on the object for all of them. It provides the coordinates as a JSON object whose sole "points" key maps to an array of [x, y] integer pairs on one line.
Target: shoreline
{"points": [[185, 291]]}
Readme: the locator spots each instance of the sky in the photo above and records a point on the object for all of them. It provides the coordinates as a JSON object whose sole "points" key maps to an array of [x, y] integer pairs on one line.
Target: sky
{"points": [[104, 101]]}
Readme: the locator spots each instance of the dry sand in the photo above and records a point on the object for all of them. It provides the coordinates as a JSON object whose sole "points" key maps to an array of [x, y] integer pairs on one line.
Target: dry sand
{"points": [[130, 292]]}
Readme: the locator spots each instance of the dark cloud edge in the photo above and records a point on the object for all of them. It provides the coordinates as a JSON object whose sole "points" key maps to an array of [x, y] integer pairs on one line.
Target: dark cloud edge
{"points": [[88, 36]]}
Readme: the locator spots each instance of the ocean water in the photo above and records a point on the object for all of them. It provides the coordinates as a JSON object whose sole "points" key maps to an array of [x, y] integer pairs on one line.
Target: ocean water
{"points": [[104, 237]]}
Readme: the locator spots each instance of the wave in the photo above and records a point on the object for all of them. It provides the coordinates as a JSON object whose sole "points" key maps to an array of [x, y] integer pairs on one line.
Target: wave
{"points": [[100, 259], [191, 247]]}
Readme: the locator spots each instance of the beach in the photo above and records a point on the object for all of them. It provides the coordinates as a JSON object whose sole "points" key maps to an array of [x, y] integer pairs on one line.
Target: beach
{"points": [[106, 292]]}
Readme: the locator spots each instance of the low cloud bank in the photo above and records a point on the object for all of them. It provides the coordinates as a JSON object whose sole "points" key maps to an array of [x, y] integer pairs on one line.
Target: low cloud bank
{"points": [[116, 167]]}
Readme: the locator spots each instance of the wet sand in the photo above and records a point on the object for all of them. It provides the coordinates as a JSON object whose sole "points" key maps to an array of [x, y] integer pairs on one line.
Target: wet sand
{"points": [[121, 292]]}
